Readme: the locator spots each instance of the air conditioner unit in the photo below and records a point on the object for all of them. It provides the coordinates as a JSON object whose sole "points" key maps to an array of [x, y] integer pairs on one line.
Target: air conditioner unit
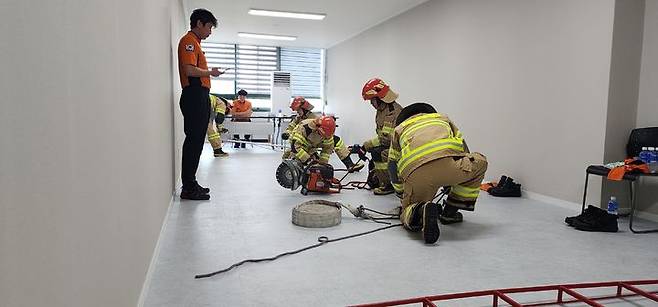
{"points": [[281, 92]]}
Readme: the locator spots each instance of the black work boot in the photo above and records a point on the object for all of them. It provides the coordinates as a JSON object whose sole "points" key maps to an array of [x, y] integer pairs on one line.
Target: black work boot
{"points": [[431, 231], [590, 212], [351, 167], [219, 152], [415, 222], [508, 189], [451, 215], [385, 190]]}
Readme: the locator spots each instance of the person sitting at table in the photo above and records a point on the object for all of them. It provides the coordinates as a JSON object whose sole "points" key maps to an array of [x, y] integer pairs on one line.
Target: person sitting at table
{"points": [[241, 112]]}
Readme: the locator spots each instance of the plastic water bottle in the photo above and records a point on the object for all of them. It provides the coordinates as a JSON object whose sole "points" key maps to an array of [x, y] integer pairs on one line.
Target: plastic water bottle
{"points": [[653, 154], [645, 155], [613, 206], [653, 160]]}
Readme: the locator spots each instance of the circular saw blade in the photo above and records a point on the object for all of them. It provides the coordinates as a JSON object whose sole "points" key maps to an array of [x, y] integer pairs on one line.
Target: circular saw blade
{"points": [[287, 174]]}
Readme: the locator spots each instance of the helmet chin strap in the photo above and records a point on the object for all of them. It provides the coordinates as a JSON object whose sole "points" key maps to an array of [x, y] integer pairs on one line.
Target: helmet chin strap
{"points": [[380, 104]]}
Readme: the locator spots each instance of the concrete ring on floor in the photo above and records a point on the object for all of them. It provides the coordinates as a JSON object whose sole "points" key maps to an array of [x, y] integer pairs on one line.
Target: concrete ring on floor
{"points": [[317, 214]]}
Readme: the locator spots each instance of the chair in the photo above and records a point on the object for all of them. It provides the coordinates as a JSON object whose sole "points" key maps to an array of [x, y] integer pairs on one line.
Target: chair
{"points": [[641, 137]]}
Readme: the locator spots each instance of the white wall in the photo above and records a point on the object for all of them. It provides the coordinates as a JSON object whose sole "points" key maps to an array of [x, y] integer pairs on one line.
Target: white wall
{"points": [[623, 90], [526, 81], [85, 148], [647, 110], [647, 115]]}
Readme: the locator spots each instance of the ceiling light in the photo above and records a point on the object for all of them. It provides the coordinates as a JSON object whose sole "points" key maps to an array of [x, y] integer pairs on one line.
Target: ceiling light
{"points": [[267, 36], [287, 14]]}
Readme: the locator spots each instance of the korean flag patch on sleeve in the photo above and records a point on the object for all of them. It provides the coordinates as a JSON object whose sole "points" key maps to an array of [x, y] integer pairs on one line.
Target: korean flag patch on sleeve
{"points": [[189, 47]]}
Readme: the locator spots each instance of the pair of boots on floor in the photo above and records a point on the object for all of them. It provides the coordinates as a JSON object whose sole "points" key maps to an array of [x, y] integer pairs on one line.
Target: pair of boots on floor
{"points": [[594, 219], [506, 187], [425, 217]]}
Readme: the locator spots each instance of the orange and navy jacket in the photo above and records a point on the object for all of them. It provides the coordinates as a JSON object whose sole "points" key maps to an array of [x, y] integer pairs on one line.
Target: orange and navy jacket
{"points": [[189, 53]]}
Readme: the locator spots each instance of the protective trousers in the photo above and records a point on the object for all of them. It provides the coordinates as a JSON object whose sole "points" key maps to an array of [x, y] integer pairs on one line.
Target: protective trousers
{"points": [[463, 174], [379, 156], [213, 136], [195, 106]]}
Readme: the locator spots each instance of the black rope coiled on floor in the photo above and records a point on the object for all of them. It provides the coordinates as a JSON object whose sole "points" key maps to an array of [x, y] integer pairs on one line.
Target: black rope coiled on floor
{"points": [[323, 240]]}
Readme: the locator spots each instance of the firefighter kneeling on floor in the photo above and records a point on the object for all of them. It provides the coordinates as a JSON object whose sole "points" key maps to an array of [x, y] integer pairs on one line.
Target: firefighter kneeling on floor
{"points": [[382, 98], [311, 135], [303, 108], [428, 152]]}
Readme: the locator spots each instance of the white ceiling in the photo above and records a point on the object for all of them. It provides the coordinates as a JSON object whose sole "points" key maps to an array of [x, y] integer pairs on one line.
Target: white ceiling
{"points": [[345, 19]]}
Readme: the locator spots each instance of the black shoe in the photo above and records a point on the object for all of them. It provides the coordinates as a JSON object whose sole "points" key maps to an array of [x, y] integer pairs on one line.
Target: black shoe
{"points": [[451, 218], [200, 188], [219, 153], [431, 231], [194, 194], [502, 180], [590, 212], [508, 189], [385, 190], [602, 223]]}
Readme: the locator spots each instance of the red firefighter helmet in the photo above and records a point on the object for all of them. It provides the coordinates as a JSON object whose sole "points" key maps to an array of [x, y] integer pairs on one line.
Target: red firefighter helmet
{"points": [[376, 87], [300, 102], [326, 126]]}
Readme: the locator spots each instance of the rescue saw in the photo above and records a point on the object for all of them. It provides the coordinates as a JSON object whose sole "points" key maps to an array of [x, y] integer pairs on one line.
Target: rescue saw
{"points": [[313, 177]]}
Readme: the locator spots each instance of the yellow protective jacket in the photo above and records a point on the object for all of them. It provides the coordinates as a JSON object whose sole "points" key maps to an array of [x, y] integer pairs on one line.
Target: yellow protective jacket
{"points": [[423, 138], [298, 119], [385, 123], [305, 141]]}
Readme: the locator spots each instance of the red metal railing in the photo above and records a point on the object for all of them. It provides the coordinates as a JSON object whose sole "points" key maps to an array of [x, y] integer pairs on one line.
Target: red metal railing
{"points": [[502, 294]]}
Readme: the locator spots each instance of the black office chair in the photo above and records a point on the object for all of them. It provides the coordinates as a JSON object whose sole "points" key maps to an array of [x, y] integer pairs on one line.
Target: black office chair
{"points": [[641, 137]]}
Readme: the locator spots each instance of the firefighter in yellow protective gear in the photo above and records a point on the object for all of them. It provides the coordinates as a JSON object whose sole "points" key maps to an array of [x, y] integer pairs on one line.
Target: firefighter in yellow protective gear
{"points": [[303, 108], [382, 98], [428, 152], [216, 124], [312, 135]]}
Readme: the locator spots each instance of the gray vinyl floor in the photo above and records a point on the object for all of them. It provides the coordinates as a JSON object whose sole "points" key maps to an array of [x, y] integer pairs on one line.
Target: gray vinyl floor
{"points": [[504, 243]]}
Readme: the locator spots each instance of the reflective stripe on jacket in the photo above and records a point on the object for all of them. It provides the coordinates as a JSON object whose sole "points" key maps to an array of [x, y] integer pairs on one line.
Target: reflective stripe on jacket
{"points": [[423, 138], [385, 125], [217, 106], [305, 141], [298, 119]]}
